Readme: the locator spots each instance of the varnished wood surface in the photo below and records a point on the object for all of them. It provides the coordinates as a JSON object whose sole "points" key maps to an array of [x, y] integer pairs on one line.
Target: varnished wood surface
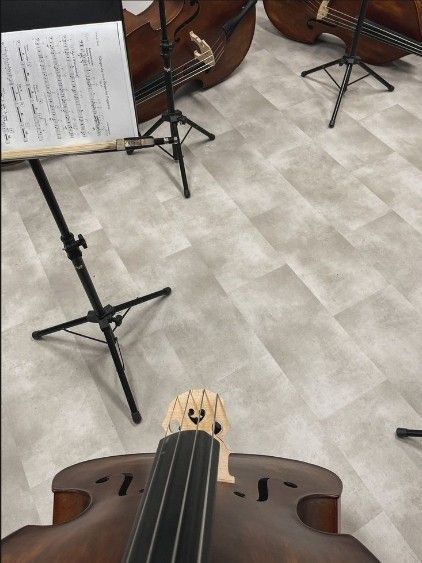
{"points": [[292, 18], [143, 43], [248, 526]]}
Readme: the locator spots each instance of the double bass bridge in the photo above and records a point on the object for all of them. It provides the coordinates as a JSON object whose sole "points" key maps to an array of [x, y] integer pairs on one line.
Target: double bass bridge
{"points": [[204, 54]]}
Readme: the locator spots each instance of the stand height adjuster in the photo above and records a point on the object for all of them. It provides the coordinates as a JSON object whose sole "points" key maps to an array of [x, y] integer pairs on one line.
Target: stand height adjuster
{"points": [[108, 317], [71, 245]]}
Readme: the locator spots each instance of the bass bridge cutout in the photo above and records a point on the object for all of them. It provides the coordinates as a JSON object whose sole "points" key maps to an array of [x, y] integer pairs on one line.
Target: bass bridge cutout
{"points": [[195, 419]]}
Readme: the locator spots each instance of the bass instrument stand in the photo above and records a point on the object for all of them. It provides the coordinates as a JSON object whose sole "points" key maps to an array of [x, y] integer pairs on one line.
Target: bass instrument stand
{"points": [[104, 316], [350, 60], [173, 116]]}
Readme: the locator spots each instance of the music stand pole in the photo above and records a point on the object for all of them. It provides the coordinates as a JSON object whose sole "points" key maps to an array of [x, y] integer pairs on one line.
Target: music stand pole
{"points": [[349, 60], [104, 316], [173, 116]]}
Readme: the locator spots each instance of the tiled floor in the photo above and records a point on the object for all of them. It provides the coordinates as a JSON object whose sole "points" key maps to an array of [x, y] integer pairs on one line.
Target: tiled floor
{"points": [[296, 271]]}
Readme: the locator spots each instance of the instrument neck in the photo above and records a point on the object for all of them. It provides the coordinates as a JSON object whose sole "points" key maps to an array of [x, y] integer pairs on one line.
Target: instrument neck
{"points": [[174, 519]]}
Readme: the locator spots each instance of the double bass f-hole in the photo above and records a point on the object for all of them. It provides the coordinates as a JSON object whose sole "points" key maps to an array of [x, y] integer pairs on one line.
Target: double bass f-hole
{"points": [[125, 484]]}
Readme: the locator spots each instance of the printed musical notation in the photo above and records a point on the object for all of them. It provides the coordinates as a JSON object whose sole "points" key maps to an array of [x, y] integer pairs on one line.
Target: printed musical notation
{"points": [[65, 85]]}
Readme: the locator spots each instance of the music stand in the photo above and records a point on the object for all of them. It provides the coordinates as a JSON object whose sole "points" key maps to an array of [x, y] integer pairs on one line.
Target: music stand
{"points": [[350, 59], [71, 12], [173, 116]]}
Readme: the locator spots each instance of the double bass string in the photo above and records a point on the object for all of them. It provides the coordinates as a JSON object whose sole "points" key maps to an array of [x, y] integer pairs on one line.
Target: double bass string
{"points": [[347, 21], [160, 511], [207, 485], [186, 68], [157, 86], [183, 78], [185, 492]]}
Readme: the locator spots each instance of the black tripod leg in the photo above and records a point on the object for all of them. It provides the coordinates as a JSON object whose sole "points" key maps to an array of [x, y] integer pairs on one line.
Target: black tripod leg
{"points": [[111, 341], [38, 334], [406, 433], [194, 125], [343, 89], [369, 70], [139, 300], [178, 155], [321, 67]]}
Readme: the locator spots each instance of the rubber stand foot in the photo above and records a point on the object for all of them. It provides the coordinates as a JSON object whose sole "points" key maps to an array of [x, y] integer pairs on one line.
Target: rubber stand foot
{"points": [[212, 137], [36, 335], [136, 417], [167, 290], [391, 89], [303, 74], [187, 195], [401, 432]]}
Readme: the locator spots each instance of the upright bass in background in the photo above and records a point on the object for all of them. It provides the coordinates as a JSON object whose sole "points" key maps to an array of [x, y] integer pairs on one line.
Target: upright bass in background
{"points": [[210, 39], [392, 28], [191, 502]]}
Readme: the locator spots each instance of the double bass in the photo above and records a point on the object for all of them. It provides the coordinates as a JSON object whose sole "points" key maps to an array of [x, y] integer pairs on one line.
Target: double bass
{"points": [[392, 28], [210, 39], [190, 502]]}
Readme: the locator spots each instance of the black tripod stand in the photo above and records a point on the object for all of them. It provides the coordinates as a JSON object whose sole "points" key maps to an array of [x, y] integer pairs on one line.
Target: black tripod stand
{"points": [[350, 59], [173, 116], [104, 316], [407, 433]]}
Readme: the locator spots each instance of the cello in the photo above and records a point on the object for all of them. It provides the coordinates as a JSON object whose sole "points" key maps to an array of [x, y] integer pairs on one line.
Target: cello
{"points": [[210, 39], [392, 28], [191, 501]]}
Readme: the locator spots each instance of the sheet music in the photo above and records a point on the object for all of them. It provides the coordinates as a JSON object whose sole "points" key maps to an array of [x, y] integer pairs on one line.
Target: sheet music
{"points": [[64, 86]]}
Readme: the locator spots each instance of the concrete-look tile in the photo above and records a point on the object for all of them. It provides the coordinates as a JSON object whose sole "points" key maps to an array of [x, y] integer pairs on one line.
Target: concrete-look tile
{"points": [[364, 431], [237, 253], [260, 192], [240, 106], [17, 506], [394, 248], [204, 214], [285, 91], [400, 130], [30, 202], [294, 219], [383, 539], [317, 355], [397, 183], [351, 144], [261, 133], [389, 330], [333, 270], [25, 283], [216, 342], [105, 164], [342, 199]]}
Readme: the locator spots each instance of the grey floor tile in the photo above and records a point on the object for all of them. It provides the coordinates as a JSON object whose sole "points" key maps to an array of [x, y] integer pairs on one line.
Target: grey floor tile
{"points": [[384, 540], [389, 330], [400, 130], [396, 182], [394, 248], [364, 431], [316, 354], [333, 270]]}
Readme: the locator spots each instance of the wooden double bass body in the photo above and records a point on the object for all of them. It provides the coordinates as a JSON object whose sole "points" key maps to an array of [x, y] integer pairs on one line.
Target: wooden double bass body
{"points": [[278, 511], [399, 34], [206, 19]]}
